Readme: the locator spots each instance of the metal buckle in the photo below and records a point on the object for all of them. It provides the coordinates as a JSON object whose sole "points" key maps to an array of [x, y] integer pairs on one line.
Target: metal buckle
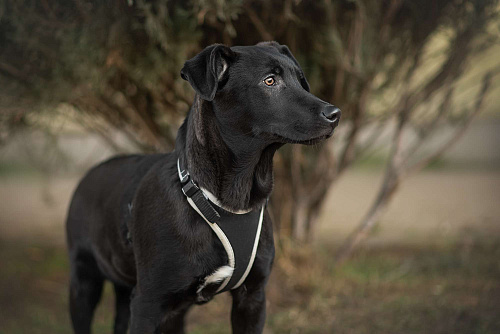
{"points": [[184, 174]]}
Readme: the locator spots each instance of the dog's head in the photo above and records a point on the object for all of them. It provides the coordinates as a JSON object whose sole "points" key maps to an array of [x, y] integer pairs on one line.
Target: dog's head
{"points": [[261, 91]]}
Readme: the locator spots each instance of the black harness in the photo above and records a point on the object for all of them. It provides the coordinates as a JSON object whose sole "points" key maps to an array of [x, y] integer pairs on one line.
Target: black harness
{"points": [[239, 233]]}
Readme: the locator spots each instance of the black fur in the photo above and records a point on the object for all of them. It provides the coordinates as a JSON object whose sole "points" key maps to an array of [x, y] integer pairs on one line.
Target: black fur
{"points": [[227, 141]]}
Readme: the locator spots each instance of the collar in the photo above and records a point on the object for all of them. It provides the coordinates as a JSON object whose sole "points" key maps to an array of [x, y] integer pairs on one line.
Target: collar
{"points": [[185, 177]]}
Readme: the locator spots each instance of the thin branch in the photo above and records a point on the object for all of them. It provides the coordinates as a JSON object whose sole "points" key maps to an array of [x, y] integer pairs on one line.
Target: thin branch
{"points": [[347, 155], [372, 139], [458, 133], [13, 72], [323, 176], [259, 25], [100, 132], [387, 189], [430, 127]]}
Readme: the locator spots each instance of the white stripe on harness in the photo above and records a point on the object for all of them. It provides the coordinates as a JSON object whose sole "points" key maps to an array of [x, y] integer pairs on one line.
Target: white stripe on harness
{"points": [[214, 200], [254, 251], [225, 242]]}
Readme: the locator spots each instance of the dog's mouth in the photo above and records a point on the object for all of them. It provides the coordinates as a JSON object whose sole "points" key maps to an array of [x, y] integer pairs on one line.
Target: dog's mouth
{"points": [[310, 141]]}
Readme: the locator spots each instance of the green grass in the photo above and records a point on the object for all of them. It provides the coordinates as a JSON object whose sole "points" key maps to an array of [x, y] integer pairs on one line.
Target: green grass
{"points": [[452, 289]]}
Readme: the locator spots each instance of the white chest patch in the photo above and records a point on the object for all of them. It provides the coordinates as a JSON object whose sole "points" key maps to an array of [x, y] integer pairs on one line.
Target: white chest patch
{"points": [[216, 277]]}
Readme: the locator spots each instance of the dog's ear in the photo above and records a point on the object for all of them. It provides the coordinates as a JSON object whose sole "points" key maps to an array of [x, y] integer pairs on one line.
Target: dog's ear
{"points": [[207, 69], [286, 51], [283, 49]]}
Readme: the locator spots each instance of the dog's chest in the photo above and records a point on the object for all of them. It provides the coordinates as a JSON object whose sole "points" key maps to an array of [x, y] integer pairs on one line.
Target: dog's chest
{"points": [[239, 235], [238, 232]]}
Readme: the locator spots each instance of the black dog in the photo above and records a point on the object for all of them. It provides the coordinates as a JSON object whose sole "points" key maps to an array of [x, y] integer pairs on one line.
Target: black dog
{"points": [[130, 222]]}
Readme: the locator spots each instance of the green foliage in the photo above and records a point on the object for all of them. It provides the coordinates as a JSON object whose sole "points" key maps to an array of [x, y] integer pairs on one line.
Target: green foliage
{"points": [[54, 52]]}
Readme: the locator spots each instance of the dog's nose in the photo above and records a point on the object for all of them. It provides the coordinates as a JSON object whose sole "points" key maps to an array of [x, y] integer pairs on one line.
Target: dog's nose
{"points": [[332, 113]]}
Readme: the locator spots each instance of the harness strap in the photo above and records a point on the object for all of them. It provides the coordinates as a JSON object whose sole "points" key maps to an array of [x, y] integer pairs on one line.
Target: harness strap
{"points": [[225, 242], [242, 229], [193, 192]]}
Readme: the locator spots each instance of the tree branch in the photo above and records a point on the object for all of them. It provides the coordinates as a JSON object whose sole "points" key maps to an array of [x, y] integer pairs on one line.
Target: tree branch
{"points": [[458, 133], [259, 25]]}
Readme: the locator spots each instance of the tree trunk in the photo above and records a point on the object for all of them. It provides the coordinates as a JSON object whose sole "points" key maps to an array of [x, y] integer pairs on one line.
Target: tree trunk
{"points": [[300, 221]]}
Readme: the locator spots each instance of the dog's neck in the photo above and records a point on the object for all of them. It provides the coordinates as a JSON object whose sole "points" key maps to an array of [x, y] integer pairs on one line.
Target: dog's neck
{"points": [[235, 168]]}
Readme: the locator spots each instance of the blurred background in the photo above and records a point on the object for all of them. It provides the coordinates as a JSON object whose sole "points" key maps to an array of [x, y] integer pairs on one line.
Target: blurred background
{"points": [[391, 226]]}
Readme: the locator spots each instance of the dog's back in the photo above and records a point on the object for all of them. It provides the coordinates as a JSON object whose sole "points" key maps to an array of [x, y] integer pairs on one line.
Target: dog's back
{"points": [[100, 209]]}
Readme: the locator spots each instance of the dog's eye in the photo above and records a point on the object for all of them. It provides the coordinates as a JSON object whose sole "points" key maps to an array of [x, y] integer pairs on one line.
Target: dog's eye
{"points": [[269, 81]]}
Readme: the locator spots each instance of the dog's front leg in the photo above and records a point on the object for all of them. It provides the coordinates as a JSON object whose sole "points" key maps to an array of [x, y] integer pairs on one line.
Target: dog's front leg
{"points": [[248, 314], [149, 317], [146, 315]]}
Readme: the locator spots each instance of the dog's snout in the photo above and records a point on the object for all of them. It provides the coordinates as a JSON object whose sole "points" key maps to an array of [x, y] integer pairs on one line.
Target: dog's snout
{"points": [[331, 113]]}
